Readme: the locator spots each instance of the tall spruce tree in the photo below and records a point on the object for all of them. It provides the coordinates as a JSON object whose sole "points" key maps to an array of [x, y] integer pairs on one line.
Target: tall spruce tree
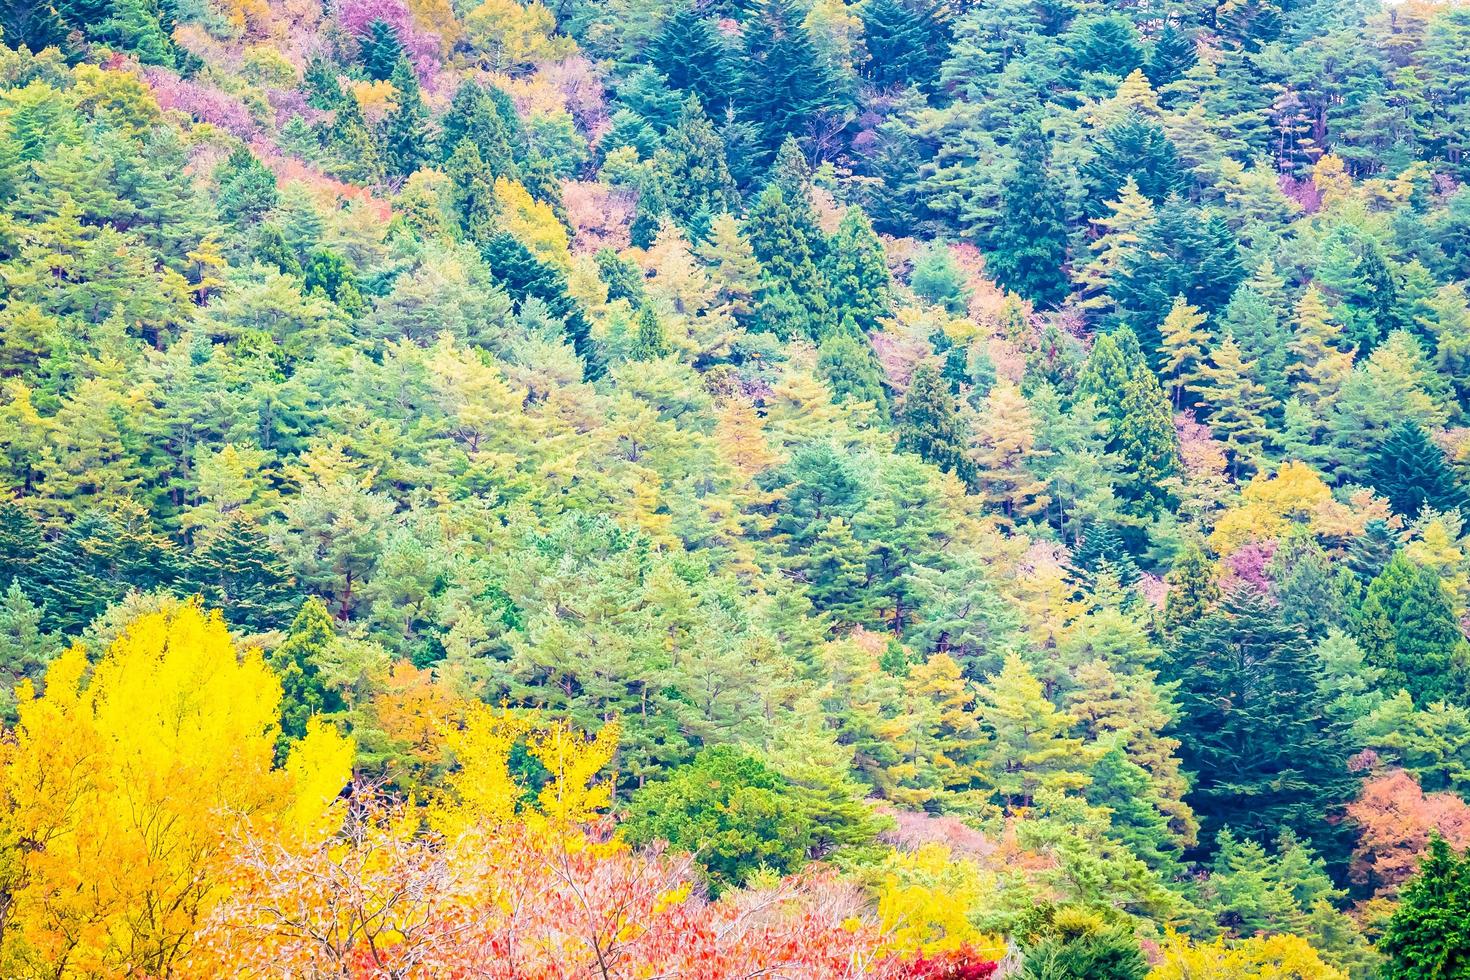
{"points": [[1411, 472], [1253, 728], [1027, 249]]}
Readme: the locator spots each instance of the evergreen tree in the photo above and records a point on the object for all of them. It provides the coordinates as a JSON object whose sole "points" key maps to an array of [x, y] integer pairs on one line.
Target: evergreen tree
{"points": [[649, 341], [785, 241], [1237, 404], [405, 130], [379, 51], [1136, 148], [857, 273], [1193, 590], [837, 574], [1171, 55], [783, 82], [1407, 627], [692, 55], [236, 571], [1251, 726], [905, 42], [1146, 443], [247, 188], [1028, 248], [847, 364], [1106, 45], [1411, 472], [524, 275], [1027, 747], [1317, 365], [1182, 340], [929, 423], [297, 662], [691, 162], [1429, 934]]}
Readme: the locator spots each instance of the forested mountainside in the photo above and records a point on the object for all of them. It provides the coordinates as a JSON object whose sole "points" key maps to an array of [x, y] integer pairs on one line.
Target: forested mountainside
{"points": [[803, 488]]}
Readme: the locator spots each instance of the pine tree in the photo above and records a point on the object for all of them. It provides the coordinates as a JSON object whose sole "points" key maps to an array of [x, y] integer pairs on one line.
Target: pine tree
{"points": [[1411, 472], [929, 423], [1182, 340], [405, 130], [237, 572], [1237, 404], [904, 40], [1318, 366], [247, 188], [1407, 626], [1263, 339], [784, 240], [1429, 934], [1251, 726], [1028, 247], [1107, 45], [857, 273], [379, 50], [1026, 745], [1134, 148], [691, 54]]}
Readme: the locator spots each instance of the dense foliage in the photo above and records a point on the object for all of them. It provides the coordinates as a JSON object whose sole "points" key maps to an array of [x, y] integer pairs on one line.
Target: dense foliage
{"points": [[908, 488]]}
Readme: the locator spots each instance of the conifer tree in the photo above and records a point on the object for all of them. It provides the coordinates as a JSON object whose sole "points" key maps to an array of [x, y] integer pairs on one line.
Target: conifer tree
{"points": [[691, 54], [1028, 247], [1122, 231], [691, 162], [857, 272], [1171, 55], [297, 662], [783, 82], [1026, 745], [1251, 726], [1407, 627], [405, 131], [1182, 340], [1429, 934], [379, 50], [1193, 589], [779, 235], [1146, 443], [837, 574], [846, 363], [1237, 404], [649, 342], [1411, 472], [929, 423], [904, 40], [1318, 366]]}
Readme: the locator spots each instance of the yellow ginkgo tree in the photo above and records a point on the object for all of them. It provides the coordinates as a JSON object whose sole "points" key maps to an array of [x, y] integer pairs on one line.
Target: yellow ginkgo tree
{"points": [[125, 782]]}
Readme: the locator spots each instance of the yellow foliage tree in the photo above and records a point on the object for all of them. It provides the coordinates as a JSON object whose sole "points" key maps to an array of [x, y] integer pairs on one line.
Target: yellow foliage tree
{"points": [[924, 899], [122, 792], [507, 37], [1279, 957], [532, 223], [1271, 505]]}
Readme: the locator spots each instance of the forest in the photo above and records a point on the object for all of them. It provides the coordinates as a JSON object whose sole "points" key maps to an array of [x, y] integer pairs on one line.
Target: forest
{"points": [[704, 489]]}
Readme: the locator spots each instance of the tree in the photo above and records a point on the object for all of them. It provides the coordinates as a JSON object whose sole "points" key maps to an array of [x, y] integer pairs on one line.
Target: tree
{"points": [[1171, 55], [298, 663], [406, 130], [1028, 247], [379, 50], [1182, 341], [1026, 748], [1106, 45], [1407, 626], [857, 273], [783, 82], [247, 189], [692, 55], [846, 363], [1318, 366], [786, 241], [1429, 934], [128, 781], [649, 342], [929, 423], [1146, 443], [1237, 403], [1251, 726], [1132, 149], [730, 809], [1411, 472], [904, 40], [691, 161]]}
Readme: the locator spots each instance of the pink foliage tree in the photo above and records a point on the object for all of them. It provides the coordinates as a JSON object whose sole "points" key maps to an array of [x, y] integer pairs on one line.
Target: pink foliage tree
{"points": [[205, 103]]}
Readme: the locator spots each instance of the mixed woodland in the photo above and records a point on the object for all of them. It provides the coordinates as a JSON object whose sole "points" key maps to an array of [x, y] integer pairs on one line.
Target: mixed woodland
{"points": [[730, 488]]}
